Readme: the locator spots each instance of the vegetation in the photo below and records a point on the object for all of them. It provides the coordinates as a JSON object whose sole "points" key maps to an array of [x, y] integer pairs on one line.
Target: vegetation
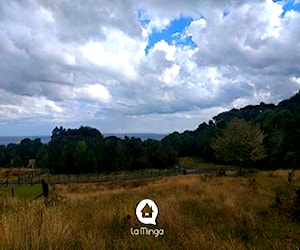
{"points": [[241, 143], [85, 150], [268, 136], [256, 211], [278, 123], [22, 192]]}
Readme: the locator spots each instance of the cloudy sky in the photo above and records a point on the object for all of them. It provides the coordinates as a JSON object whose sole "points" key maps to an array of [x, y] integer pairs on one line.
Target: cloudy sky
{"points": [[142, 66]]}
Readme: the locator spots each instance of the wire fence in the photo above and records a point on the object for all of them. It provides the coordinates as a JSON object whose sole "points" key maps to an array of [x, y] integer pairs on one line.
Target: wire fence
{"points": [[29, 178], [35, 177]]}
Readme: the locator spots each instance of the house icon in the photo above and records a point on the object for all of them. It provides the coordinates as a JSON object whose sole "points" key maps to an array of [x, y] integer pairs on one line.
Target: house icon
{"points": [[147, 211]]}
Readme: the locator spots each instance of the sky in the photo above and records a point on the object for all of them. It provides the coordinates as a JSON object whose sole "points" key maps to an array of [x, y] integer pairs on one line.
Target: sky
{"points": [[146, 66]]}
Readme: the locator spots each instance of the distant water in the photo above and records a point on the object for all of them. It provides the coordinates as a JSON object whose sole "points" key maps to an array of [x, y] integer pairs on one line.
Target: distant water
{"points": [[5, 140]]}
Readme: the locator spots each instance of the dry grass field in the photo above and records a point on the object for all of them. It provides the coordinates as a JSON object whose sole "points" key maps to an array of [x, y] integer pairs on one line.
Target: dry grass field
{"points": [[255, 211], [13, 173]]}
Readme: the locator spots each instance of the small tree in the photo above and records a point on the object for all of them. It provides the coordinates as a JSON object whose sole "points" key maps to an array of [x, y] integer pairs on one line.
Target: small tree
{"points": [[241, 143]]}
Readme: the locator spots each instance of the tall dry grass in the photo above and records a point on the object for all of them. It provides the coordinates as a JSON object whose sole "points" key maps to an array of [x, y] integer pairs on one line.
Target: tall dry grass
{"points": [[13, 173], [196, 212]]}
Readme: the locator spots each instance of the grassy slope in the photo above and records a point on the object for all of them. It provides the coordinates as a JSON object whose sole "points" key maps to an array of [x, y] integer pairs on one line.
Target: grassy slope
{"points": [[196, 212]]}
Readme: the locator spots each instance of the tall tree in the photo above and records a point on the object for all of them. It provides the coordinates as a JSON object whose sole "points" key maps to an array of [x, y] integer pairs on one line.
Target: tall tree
{"points": [[80, 156], [240, 143]]}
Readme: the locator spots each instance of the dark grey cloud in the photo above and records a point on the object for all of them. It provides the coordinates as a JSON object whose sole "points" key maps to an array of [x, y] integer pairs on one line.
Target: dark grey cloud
{"points": [[82, 21]]}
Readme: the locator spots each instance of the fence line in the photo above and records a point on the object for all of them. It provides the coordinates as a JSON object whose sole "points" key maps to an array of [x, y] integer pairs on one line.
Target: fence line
{"points": [[34, 177]]}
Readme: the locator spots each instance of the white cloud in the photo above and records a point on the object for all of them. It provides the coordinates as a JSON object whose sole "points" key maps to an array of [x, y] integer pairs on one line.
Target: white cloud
{"points": [[273, 18], [45, 15], [157, 24], [27, 107], [195, 29], [95, 92], [295, 79], [118, 52], [72, 62], [258, 97], [168, 49], [171, 75]]}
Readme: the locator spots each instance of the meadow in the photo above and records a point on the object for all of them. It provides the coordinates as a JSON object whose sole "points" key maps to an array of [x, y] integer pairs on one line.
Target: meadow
{"points": [[256, 211]]}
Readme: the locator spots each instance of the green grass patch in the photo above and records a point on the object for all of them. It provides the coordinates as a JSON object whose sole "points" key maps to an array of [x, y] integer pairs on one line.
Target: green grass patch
{"points": [[22, 192], [196, 162]]}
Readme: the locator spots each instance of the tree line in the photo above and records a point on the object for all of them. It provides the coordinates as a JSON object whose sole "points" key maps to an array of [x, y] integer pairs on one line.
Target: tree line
{"points": [[264, 135], [85, 150], [273, 131]]}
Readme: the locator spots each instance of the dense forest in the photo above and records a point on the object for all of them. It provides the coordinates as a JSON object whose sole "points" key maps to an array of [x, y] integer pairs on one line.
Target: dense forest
{"points": [[264, 135]]}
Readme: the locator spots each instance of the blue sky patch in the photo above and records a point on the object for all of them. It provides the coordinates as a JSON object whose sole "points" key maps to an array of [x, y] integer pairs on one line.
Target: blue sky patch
{"points": [[144, 21], [173, 34], [289, 5], [226, 12]]}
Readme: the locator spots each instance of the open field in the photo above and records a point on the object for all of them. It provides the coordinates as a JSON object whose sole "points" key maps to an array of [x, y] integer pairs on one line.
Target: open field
{"points": [[196, 212], [9, 176], [33, 177], [13, 173]]}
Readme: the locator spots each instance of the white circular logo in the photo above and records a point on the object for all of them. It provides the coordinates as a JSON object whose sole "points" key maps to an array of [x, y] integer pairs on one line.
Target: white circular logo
{"points": [[147, 211]]}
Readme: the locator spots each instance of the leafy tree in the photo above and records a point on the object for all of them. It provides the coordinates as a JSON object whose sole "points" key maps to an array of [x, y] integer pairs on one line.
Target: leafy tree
{"points": [[2, 156], [240, 143], [203, 142], [80, 155], [183, 144], [111, 144], [29, 149], [100, 155], [66, 160], [43, 160], [12, 158], [16, 161], [91, 163]]}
